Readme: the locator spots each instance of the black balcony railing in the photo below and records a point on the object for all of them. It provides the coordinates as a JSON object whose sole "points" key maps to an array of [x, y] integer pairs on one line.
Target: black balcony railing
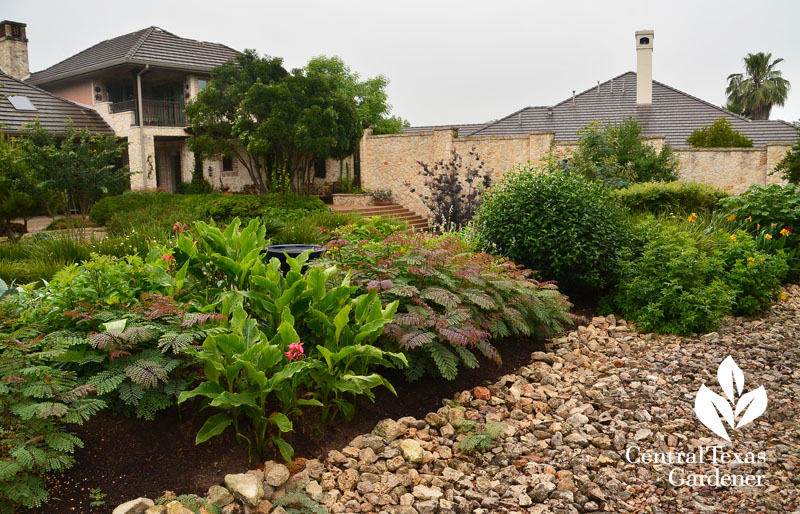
{"points": [[156, 113]]}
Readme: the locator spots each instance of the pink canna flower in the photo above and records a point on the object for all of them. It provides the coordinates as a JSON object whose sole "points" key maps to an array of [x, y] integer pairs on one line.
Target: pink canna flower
{"points": [[169, 259], [178, 226], [295, 352]]}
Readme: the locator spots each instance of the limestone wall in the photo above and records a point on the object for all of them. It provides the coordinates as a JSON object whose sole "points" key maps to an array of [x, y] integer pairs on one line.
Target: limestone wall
{"points": [[731, 169], [390, 161]]}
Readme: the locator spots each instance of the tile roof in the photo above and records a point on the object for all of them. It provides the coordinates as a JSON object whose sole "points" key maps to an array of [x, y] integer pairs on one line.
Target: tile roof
{"points": [[673, 114], [152, 45], [53, 113]]}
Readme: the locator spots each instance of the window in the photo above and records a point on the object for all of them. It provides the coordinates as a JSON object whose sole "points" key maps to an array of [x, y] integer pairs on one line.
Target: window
{"points": [[227, 164], [21, 103], [201, 84], [319, 168]]}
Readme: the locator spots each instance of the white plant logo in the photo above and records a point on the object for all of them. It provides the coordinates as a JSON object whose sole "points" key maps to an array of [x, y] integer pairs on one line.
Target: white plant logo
{"points": [[712, 408]]}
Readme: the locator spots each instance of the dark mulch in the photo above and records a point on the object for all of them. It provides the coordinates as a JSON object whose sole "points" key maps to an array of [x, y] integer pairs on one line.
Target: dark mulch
{"points": [[127, 458]]}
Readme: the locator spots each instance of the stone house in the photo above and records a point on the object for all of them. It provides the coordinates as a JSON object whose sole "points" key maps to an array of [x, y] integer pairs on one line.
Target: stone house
{"points": [[667, 115], [140, 83]]}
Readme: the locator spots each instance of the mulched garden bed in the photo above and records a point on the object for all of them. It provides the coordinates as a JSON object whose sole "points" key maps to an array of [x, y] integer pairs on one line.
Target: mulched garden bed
{"points": [[127, 458]]}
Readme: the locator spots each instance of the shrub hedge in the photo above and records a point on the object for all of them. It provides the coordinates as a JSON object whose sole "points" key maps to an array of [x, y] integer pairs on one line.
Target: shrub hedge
{"points": [[217, 206], [657, 197]]}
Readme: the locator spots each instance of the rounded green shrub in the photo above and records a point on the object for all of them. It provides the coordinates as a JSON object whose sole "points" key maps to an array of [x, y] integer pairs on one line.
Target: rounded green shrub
{"points": [[669, 283], [657, 197], [566, 227]]}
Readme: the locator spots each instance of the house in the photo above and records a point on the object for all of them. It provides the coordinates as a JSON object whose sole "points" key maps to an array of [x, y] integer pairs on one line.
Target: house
{"points": [[666, 114], [139, 83], [22, 105]]}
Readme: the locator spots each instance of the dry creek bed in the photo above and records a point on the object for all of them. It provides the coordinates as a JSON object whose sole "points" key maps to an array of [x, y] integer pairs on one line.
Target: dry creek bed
{"points": [[578, 422]]}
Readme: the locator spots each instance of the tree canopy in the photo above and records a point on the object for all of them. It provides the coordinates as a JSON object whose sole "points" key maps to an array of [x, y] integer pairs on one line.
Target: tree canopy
{"points": [[618, 154], [719, 134], [277, 122], [759, 88]]}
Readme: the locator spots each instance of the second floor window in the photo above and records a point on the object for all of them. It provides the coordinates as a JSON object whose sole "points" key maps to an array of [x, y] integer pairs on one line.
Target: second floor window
{"points": [[227, 164], [201, 84]]}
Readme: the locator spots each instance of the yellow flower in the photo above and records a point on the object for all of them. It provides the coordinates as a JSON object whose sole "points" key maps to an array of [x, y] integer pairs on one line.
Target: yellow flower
{"points": [[784, 232], [693, 218], [749, 219], [750, 261], [733, 237], [768, 236], [783, 296], [758, 225], [732, 217]]}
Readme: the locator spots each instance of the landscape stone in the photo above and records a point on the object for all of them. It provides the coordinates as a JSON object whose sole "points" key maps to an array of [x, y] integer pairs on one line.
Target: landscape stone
{"points": [[137, 506], [245, 487]]}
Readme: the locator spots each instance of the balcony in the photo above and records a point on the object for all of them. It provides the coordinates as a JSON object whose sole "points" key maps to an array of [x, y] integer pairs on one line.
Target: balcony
{"points": [[156, 113]]}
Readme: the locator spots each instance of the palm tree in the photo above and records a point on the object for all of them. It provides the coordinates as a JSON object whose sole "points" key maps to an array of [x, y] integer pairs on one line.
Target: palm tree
{"points": [[761, 87]]}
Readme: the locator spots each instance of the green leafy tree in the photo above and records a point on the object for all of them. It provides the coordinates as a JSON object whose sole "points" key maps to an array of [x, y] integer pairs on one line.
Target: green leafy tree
{"points": [[789, 167], [759, 88], [80, 167], [370, 94], [719, 134], [273, 121], [392, 125], [617, 154]]}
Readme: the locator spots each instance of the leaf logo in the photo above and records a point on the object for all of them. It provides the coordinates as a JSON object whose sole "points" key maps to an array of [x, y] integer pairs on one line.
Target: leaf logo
{"points": [[712, 408]]}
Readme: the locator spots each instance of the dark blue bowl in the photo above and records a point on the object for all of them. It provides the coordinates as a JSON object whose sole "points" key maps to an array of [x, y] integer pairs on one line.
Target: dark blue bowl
{"points": [[281, 251]]}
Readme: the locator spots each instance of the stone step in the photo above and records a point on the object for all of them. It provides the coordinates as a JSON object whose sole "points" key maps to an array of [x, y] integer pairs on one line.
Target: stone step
{"points": [[394, 211]]}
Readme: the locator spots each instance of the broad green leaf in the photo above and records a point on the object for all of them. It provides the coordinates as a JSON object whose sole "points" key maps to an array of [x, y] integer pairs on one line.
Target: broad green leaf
{"points": [[213, 426], [226, 400], [281, 421], [287, 452], [208, 389]]}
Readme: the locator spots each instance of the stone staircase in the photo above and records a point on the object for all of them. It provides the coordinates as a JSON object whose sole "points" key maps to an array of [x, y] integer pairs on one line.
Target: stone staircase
{"points": [[399, 212]]}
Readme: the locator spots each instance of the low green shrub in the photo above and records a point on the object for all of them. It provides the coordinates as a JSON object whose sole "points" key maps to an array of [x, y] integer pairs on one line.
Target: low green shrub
{"points": [[566, 227], [668, 284], [129, 201], [683, 276], [679, 197], [220, 207]]}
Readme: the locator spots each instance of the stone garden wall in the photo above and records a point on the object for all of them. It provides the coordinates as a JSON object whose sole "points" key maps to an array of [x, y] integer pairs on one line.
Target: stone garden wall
{"points": [[390, 161]]}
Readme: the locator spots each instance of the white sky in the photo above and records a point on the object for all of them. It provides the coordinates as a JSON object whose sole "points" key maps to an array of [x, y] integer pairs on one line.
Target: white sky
{"points": [[455, 61]]}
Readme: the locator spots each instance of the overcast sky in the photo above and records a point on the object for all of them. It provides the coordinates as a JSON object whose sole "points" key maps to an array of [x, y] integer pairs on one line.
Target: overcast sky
{"points": [[455, 61]]}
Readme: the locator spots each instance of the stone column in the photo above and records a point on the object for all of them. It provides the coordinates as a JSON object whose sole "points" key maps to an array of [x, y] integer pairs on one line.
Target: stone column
{"points": [[443, 143], [539, 144]]}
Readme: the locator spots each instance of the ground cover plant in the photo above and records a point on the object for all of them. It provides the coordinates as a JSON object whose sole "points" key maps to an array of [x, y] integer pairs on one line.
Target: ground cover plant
{"points": [[452, 301], [564, 226]]}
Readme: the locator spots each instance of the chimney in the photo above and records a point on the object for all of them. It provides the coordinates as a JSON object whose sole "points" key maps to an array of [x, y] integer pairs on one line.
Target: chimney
{"points": [[644, 67], [14, 49]]}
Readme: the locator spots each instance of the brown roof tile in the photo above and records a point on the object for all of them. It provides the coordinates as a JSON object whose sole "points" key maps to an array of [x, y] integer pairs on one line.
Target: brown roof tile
{"points": [[52, 112], [152, 46], [673, 114]]}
